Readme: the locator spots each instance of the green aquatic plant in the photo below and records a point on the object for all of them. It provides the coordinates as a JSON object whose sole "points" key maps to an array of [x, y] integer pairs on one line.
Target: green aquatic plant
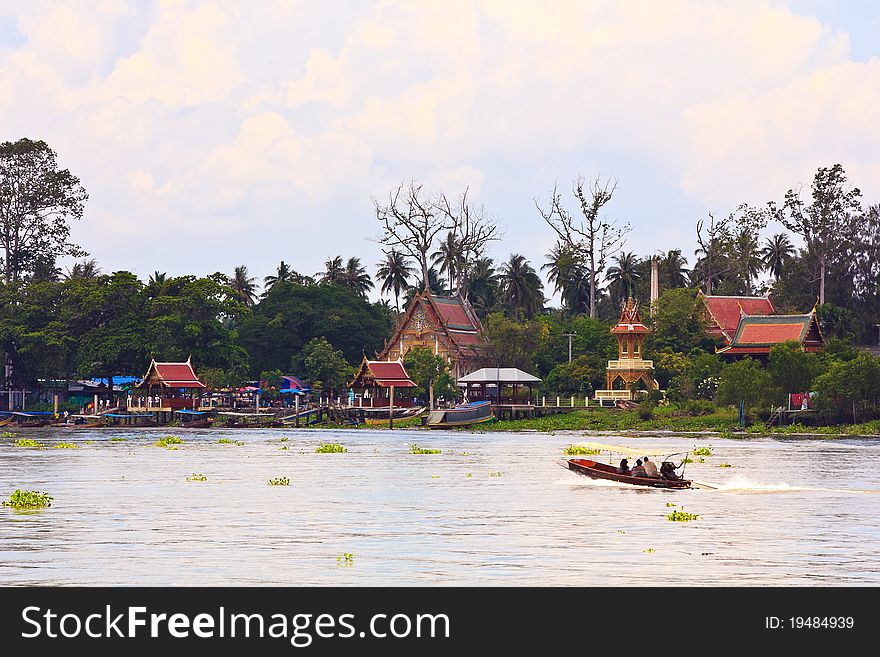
{"points": [[7, 434], [65, 446], [620, 531], [284, 447], [495, 474], [580, 450], [197, 477], [415, 449], [465, 453], [284, 440], [345, 559], [28, 499], [165, 441], [330, 448], [224, 441], [671, 504], [435, 476], [680, 515], [724, 465], [702, 451], [649, 550], [239, 443], [279, 481], [469, 474], [27, 442], [117, 439], [89, 442]]}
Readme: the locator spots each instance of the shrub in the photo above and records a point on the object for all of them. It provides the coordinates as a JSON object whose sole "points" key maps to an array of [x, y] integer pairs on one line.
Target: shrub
{"points": [[646, 410]]}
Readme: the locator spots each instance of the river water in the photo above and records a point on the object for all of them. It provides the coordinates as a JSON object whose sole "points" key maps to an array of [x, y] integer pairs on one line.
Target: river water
{"points": [[491, 509]]}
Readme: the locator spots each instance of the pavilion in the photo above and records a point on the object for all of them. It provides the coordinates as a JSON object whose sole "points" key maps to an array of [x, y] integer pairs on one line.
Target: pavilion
{"points": [[168, 387], [375, 383], [485, 382]]}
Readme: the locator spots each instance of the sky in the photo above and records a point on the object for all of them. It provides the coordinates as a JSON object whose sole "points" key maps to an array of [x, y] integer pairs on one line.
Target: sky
{"points": [[211, 134]]}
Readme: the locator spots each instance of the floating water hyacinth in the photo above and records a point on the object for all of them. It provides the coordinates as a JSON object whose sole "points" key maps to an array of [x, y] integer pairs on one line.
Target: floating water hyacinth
{"points": [[65, 446], [279, 481], [415, 449], [197, 477], [702, 451], [345, 559], [682, 516], [27, 442], [330, 448], [167, 441], [580, 450], [28, 499]]}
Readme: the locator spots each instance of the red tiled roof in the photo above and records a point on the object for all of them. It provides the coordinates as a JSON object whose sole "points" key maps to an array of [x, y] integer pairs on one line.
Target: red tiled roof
{"points": [[397, 383], [726, 310], [631, 328], [466, 338], [453, 313], [769, 333], [390, 370], [177, 375]]}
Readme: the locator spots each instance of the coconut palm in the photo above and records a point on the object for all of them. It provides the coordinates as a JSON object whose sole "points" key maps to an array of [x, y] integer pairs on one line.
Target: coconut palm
{"points": [[435, 286], [521, 287], [158, 284], [394, 272], [777, 251], [672, 270], [356, 278], [243, 285], [482, 286], [566, 271], [448, 258], [84, 270], [284, 274], [746, 259], [334, 271], [623, 276]]}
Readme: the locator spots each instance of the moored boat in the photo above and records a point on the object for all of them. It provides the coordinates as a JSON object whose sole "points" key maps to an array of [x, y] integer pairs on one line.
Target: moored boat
{"points": [[460, 416], [597, 470], [199, 420]]}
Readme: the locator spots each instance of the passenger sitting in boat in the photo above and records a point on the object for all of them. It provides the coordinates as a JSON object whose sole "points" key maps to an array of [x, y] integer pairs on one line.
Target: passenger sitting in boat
{"points": [[667, 471], [639, 470], [623, 468], [650, 468]]}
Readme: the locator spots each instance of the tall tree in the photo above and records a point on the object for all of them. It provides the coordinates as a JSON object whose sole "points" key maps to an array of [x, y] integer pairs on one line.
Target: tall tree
{"points": [[831, 221], [84, 270], [394, 273], [483, 286], [521, 287], [472, 231], [410, 221], [566, 271], [244, 286], [672, 270], [593, 236], [777, 251], [623, 276], [284, 274], [37, 202], [356, 278], [448, 258], [334, 271]]}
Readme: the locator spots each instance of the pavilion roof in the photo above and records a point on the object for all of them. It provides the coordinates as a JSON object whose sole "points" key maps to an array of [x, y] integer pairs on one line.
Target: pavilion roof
{"points": [[726, 311], [383, 373], [172, 375], [499, 375]]}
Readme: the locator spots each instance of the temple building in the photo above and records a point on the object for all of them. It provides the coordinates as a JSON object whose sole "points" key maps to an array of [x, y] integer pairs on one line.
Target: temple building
{"points": [[448, 326], [750, 326], [630, 372]]}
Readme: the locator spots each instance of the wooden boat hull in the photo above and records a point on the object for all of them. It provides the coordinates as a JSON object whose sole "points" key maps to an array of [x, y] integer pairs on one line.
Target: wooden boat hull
{"points": [[460, 416], [30, 424], [6, 421], [198, 424], [596, 470]]}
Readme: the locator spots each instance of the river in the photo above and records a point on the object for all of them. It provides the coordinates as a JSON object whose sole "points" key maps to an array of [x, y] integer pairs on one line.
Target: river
{"points": [[490, 509]]}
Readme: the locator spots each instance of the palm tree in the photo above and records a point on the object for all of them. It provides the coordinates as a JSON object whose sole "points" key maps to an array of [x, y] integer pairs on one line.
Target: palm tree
{"points": [[482, 286], [448, 257], [333, 272], [243, 285], [672, 270], [435, 286], [623, 276], [158, 285], [394, 273], [521, 287], [746, 259], [777, 251], [356, 278], [284, 274], [566, 271], [84, 270]]}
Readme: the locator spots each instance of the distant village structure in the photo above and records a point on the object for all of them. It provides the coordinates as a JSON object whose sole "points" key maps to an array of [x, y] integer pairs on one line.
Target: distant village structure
{"points": [[749, 326], [448, 326], [166, 388]]}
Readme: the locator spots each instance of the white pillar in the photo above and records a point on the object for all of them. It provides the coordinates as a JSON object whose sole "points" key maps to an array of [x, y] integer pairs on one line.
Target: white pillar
{"points": [[557, 401]]}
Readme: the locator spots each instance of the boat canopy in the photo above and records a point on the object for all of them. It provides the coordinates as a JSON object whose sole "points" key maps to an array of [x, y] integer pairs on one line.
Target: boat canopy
{"points": [[186, 412]]}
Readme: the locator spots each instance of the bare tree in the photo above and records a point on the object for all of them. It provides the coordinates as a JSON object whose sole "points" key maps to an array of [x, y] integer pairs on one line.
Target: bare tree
{"points": [[594, 237], [830, 223], [713, 240], [410, 222], [473, 229]]}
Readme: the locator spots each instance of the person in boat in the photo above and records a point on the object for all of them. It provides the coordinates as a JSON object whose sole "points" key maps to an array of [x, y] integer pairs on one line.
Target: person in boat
{"points": [[638, 470], [667, 471], [623, 468], [650, 468]]}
